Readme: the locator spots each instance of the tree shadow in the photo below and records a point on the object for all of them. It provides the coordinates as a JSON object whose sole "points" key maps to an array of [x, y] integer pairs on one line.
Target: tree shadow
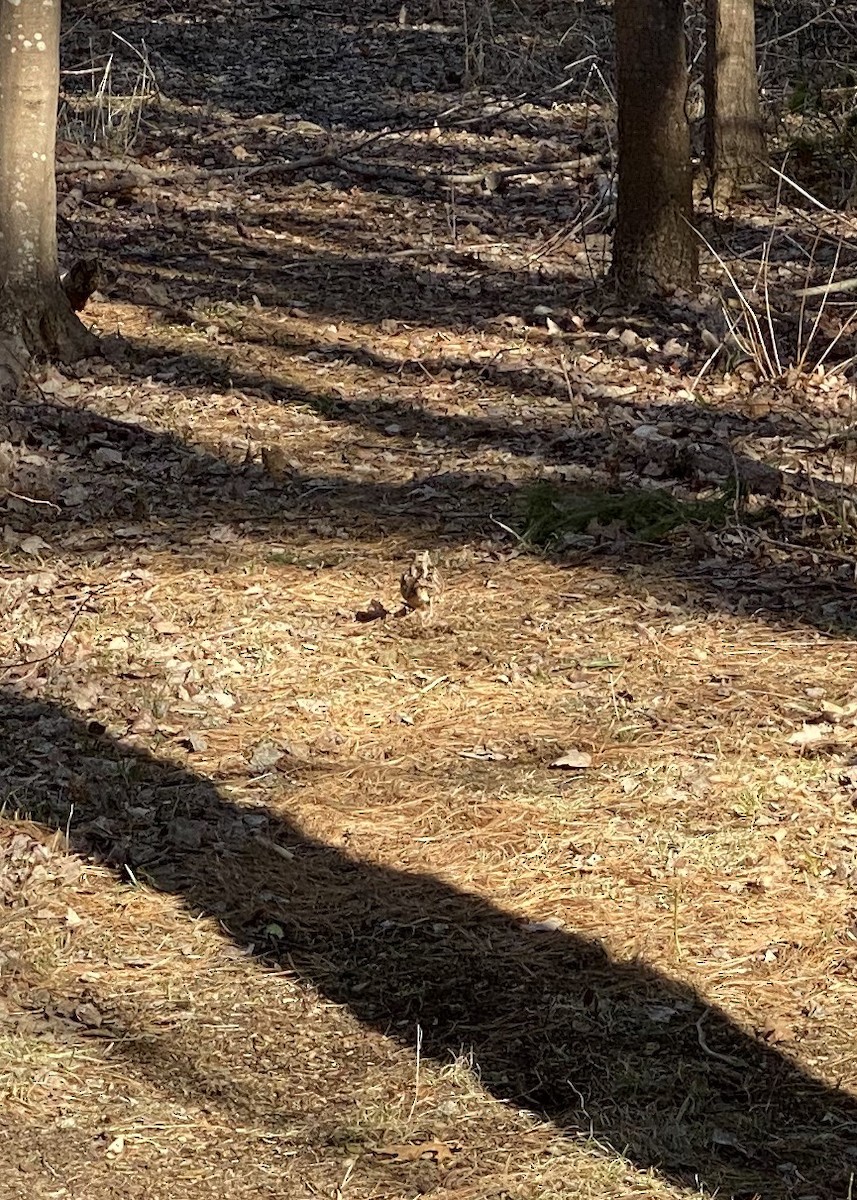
{"points": [[153, 489], [368, 67], [556, 1025]]}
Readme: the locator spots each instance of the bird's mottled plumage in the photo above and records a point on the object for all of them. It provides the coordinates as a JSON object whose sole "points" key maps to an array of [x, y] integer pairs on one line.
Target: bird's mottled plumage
{"points": [[420, 584]]}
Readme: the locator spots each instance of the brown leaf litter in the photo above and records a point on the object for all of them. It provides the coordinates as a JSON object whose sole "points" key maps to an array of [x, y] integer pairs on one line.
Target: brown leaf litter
{"points": [[294, 902]]}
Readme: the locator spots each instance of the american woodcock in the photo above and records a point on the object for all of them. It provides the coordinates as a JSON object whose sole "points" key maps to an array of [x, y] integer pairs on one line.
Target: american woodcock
{"points": [[420, 584]]}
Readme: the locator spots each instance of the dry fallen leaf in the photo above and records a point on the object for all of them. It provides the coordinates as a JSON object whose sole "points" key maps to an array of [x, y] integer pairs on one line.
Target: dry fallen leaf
{"points": [[484, 753], [439, 1151], [776, 1032], [89, 1015], [265, 756], [166, 627], [374, 611], [551, 925], [573, 760], [810, 735]]}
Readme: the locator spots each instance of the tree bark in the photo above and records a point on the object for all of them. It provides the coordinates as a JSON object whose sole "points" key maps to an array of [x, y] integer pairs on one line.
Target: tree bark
{"points": [[34, 309], [655, 248], [734, 137]]}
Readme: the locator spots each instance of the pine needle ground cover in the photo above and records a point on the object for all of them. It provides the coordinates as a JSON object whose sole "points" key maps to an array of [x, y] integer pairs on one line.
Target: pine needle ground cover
{"points": [[547, 891]]}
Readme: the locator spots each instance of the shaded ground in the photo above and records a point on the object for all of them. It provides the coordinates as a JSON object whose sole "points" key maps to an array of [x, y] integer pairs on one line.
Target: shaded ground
{"points": [[296, 903]]}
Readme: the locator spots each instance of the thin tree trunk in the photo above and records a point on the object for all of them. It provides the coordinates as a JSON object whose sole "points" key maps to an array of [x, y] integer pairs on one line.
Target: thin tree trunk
{"points": [[655, 247], [734, 137], [33, 306]]}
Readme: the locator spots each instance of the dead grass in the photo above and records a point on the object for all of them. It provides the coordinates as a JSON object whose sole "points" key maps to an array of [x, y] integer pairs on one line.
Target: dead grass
{"points": [[328, 921], [697, 842]]}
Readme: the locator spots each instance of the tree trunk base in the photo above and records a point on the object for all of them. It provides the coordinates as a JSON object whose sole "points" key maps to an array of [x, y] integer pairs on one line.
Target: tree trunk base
{"points": [[729, 182], [45, 325]]}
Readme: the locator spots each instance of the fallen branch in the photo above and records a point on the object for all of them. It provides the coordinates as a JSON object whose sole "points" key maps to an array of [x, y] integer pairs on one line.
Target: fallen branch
{"points": [[825, 289], [127, 165], [493, 180]]}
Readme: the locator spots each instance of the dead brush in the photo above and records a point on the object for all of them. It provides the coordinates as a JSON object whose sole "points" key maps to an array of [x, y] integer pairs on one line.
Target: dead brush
{"points": [[833, 508], [751, 321], [111, 112], [501, 43], [477, 29]]}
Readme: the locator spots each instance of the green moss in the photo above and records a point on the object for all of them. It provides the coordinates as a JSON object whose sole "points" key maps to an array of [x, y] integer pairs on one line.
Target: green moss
{"points": [[552, 514]]}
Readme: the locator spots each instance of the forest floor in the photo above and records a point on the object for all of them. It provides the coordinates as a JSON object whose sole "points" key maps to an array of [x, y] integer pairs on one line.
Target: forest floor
{"points": [[547, 892]]}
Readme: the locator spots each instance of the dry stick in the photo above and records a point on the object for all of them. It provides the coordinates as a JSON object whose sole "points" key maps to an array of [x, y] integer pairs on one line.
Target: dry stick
{"points": [[829, 288], [31, 499], [807, 195], [342, 161], [724, 1058], [845, 327], [753, 324], [527, 169], [790, 33], [816, 551], [801, 215], [766, 257], [766, 292], [826, 290], [803, 300], [825, 297]]}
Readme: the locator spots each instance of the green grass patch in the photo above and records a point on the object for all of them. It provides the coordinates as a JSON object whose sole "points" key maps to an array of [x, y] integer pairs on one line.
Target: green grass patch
{"points": [[555, 516]]}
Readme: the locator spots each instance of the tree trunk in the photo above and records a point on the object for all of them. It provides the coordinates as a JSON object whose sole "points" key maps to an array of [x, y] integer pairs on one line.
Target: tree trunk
{"points": [[34, 309], [655, 247], [734, 137]]}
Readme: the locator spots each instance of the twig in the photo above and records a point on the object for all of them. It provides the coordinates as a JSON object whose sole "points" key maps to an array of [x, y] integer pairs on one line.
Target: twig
{"points": [[830, 288], [31, 499], [526, 169], [724, 1058], [30, 662], [816, 551], [508, 529], [275, 847]]}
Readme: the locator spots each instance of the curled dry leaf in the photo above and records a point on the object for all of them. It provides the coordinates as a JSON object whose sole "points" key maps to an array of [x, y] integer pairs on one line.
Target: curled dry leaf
{"points": [[87, 1014], [166, 627], [412, 1153], [374, 611], [484, 753], [266, 756], [810, 735], [572, 760], [551, 925]]}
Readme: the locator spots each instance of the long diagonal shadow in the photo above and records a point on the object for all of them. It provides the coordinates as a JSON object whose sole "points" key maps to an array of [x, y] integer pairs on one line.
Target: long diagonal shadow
{"points": [[556, 1025], [181, 489]]}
